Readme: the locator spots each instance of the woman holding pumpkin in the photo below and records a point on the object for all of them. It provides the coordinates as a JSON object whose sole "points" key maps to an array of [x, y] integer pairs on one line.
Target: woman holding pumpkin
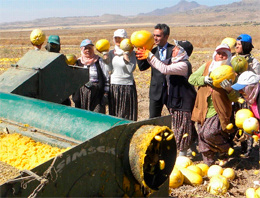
{"points": [[123, 94], [212, 109], [181, 95], [243, 48], [248, 85]]}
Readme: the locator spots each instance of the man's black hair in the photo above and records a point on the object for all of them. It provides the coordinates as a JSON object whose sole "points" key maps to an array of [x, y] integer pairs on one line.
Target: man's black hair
{"points": [[164, 27]]}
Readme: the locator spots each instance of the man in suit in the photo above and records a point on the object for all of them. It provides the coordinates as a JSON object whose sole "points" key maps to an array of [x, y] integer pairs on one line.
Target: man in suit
{"points": [[158, 85]]}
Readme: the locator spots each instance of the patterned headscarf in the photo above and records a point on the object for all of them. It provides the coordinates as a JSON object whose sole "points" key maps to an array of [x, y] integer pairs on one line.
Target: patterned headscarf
{"points": [[88, 59], [182, 54]]}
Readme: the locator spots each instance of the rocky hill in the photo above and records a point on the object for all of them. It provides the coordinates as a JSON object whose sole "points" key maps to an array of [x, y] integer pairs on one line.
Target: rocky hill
{"points": [[184, 13], [182, 6]]}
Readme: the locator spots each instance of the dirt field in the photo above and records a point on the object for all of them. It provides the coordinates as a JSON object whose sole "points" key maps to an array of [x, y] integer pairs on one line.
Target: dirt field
{"points": [[14, 44]]}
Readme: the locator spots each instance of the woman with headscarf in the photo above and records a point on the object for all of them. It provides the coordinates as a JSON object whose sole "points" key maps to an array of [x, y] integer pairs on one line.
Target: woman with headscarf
{"points": [[122, 93], [212, 109], [92, 95], [248, 85], [243, 48], [180, 94]]}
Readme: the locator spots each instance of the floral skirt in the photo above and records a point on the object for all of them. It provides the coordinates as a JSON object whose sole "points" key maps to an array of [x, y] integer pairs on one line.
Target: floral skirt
{"points": [[89, 98], [183, 125], [211, 136]]}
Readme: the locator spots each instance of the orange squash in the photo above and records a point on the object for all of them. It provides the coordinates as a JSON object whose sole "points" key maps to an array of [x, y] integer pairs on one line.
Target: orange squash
{"points": [[142, 39], [221, 73]]}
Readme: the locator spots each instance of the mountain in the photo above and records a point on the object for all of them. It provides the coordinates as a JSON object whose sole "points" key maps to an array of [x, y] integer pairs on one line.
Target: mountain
{"points": [[183, 14], [182, 6]]}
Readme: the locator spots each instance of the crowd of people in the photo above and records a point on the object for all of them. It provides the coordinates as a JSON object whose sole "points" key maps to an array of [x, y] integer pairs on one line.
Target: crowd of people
{"points": [[200, 111]]}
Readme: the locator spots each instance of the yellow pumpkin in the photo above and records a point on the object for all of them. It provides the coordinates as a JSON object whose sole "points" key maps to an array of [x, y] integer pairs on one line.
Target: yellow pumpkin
{"points": [[231, 42], [252, 193], [250, 125], [229, 173], [258, 192], [255, 137], [221, 73], [126, 45], [196, 169], [229, 126], [176, 178], [142, 39], [218, 185], [190, 177], [102, 45], [241, 115], [182, 161], [204, 168], [37, 37], [214, 170], [71, 59]]}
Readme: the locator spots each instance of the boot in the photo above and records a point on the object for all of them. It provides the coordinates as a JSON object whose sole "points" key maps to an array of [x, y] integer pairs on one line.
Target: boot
{"points": [[249, 145]]}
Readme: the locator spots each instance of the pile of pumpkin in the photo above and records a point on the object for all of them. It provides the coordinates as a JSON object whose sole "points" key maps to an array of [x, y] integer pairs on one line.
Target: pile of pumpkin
{"points": [[185, 172], [23, 152]]}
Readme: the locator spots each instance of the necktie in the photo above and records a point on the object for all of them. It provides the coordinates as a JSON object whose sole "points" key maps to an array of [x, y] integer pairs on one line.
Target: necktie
{"points": [[162, 58]]}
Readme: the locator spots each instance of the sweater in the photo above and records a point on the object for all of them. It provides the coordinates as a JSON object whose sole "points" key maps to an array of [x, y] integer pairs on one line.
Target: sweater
{"points": [[122, 71]]}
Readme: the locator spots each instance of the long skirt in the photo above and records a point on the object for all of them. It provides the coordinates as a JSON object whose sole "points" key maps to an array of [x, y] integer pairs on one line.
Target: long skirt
{"points": [[89, 98], [212, 139], [123, 101], [182, 125]]}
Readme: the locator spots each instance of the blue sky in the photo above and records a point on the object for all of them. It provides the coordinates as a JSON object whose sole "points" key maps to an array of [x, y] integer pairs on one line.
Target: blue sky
{"points": [[26, 10]]}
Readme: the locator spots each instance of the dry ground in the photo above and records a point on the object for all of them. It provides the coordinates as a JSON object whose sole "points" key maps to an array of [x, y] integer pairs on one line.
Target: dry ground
{"points": [[14, 44]]}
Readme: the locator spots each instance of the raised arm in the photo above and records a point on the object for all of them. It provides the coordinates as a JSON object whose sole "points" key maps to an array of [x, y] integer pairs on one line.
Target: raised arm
{"points": [[196, 78], [179, 68]]}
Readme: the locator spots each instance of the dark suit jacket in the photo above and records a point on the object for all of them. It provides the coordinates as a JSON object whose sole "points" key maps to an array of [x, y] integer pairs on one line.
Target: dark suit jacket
{"points": [[158, 80]]}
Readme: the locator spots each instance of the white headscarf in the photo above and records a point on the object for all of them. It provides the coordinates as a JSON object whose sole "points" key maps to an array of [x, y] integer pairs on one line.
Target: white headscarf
{"points": [[182, 54], [122, 34], [223, 48]]}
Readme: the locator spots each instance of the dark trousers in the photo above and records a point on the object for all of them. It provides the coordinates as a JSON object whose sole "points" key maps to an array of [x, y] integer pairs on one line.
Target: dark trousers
{"points": [[155, 108]]}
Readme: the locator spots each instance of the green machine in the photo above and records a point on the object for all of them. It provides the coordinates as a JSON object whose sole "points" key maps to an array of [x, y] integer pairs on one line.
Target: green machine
{"points": [[106, 156], [43, 75]]}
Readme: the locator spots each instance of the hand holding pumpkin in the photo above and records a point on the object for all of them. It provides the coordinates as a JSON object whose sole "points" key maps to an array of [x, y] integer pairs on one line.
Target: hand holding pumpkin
{"points": [[226, 84], [126, 56], [105, 55], [208, 80], [142, 53]]}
